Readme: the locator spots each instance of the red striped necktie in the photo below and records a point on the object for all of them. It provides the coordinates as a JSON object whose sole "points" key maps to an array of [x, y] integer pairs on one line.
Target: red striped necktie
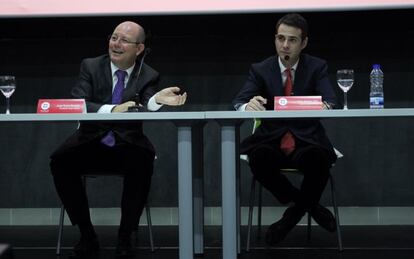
{"points": [[287, 143]]}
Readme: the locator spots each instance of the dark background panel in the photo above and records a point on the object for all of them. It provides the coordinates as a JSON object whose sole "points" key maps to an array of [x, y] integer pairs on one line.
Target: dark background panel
{"points": [[209, 56]]}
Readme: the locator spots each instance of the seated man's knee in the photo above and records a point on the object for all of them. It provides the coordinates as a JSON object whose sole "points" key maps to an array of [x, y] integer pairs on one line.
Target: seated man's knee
{"points": [[314, 158], [263, 154]]}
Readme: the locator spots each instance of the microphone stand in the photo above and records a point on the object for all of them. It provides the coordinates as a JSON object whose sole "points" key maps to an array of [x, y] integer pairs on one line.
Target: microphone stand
{"points": [[137, 108]]}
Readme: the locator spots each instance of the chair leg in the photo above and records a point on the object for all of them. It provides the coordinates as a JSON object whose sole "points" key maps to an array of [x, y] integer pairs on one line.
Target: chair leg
{"points": [[335, 206], [259, 213], [250, 218], [61, 222], [309, 228], [149, 223], [60, 233]]}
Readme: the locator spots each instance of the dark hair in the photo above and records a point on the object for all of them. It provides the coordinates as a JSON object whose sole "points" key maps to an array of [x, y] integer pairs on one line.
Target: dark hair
{"points": [[294, 20]]}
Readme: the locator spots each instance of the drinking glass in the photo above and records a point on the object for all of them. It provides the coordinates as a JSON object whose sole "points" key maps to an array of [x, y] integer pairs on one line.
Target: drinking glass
{"points": [[7, 87], [345, 79]]}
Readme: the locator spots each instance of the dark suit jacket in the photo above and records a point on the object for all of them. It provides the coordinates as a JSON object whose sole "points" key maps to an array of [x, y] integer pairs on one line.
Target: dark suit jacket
{"points": [[311, 78], [95, 86]]}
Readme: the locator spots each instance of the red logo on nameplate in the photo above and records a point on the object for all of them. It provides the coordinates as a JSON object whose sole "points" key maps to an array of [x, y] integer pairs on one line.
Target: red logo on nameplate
{"points": [[61, 106], [298, 103]]}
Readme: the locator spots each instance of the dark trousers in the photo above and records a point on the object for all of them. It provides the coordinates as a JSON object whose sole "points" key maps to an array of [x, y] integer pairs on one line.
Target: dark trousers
{"points": [[266, 160], [134, 163]]}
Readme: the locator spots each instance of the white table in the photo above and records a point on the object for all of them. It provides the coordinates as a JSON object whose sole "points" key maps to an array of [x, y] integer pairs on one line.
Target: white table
{"points": [[184, 122], [190, 238], [229, 156]]}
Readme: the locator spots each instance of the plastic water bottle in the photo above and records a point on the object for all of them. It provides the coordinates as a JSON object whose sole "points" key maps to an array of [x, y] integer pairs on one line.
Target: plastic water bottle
{"points": [[376, 95]]}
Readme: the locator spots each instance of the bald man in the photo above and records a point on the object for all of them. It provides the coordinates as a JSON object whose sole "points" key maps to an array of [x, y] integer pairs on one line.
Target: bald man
{"points": [[111, 83]]}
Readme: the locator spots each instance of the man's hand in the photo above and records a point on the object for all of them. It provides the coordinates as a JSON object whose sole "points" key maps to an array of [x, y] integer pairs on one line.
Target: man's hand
{"points": [[170, 96], [256, 104], [123, 107]]}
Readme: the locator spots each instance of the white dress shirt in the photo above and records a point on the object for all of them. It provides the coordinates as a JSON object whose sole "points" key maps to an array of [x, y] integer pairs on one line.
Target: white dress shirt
{"points": [[284, 76], [107, 108]]}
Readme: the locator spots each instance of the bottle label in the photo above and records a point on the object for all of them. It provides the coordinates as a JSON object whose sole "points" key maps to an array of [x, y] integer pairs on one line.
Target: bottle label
{"points": [[376, 102]]}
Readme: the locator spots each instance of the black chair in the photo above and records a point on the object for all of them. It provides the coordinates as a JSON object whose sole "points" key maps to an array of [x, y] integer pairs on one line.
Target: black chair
{"points": [[62, 217], [309, 219], [245, 158]]}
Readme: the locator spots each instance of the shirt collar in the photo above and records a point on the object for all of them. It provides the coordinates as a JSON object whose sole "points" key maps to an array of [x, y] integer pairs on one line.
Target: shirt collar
{"points": [[283, 68], [114, 68]]}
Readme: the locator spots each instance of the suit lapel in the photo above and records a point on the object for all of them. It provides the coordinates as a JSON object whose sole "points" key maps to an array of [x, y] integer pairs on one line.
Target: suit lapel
{"points": [[131, 88], [107, 81], [298, 85], [275, 79], [133, 85]]}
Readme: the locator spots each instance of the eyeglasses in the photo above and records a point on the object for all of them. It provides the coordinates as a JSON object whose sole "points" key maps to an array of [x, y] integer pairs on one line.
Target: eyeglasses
{"points": [[124, 41]]}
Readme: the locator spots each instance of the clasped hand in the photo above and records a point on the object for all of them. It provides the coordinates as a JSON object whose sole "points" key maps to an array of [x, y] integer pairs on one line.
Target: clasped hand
{"points": [[256, 104], [123, 107]]}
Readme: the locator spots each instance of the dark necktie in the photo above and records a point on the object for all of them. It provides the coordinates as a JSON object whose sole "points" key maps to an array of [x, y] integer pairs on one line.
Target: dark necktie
{"points": [[287, 144], [109, 139]]}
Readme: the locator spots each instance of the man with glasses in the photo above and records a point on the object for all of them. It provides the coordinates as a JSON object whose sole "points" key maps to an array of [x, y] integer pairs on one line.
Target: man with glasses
{"points": [[300, 144], [111, 83]]}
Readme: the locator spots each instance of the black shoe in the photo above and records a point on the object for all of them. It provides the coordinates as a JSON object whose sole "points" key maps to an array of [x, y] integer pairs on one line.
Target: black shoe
{"points": [[323, 217], [278, 230], [86, 248], [124, 247]]}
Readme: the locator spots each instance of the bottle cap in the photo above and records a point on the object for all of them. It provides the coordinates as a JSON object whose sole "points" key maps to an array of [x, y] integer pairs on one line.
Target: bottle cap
{"points": [[376, 66]]}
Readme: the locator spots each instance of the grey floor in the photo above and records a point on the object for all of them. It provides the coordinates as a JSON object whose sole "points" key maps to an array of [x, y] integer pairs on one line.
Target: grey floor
{"points": [[359, 242]]}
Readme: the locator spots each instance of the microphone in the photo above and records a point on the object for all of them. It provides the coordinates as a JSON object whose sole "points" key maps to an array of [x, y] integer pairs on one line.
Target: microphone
{"points": [[137, 108], [146, 52]]}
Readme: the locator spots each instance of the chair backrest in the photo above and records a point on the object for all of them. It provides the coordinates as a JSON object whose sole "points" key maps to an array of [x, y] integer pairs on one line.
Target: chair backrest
{"points": [[256, 124]]}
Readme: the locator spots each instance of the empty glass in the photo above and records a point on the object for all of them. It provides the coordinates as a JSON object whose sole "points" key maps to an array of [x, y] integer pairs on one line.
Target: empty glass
{"points": [[7, 87]]}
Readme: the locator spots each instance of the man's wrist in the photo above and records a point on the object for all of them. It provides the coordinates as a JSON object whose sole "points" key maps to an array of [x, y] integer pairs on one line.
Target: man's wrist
{"points": [[106, 108], [152, 104]]}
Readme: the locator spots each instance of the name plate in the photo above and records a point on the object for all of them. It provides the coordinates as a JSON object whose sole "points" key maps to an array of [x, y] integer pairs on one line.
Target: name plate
{"points": [[298, 103], [61, 106]]}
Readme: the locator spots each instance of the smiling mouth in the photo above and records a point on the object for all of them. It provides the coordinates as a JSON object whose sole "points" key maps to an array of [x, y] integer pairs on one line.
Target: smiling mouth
{"points": [[117, 52]]}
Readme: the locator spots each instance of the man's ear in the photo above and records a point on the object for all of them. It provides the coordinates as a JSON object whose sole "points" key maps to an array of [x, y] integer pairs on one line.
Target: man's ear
{"points": [[140, 49], [304, 43]]}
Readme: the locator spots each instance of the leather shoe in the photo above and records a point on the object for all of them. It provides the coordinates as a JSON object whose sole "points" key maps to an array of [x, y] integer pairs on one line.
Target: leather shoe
{"points": [[323, 217], [86, 248], [278, 230], [124, 247]]}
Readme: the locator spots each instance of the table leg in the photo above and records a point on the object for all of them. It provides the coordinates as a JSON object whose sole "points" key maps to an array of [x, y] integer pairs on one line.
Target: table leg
{"points": [[198, 188], [185, 193], [228, 174]]}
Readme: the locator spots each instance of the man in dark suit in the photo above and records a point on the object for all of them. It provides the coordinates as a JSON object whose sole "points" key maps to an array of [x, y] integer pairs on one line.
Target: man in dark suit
{"points": [[300, 143], [111, 83]]}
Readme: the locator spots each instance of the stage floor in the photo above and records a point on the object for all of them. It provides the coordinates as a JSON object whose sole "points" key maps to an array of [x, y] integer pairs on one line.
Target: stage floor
{"points": [[378, 242]]}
